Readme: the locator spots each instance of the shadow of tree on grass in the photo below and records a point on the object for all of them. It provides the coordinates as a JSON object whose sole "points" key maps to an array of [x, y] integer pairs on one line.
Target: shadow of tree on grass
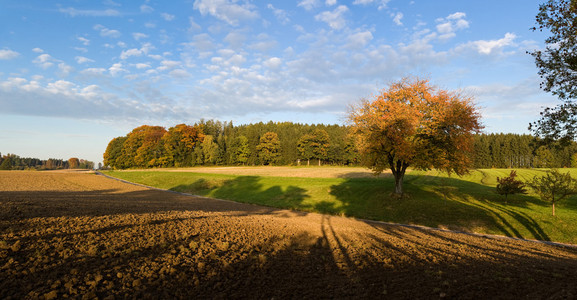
{"points": [[247, 189], [451, 203]]}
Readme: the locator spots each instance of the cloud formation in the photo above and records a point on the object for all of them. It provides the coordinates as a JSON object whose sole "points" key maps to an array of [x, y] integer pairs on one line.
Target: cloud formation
{"points": [[6, 54], [225, 10], [234, 58]]}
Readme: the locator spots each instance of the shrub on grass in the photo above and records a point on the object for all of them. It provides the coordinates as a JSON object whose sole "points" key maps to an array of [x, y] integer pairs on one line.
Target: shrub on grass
{"points": [[509, 185]]}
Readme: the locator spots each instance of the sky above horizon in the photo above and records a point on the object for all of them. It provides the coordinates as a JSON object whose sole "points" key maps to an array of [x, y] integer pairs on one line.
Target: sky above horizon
{"points": [[76, 74]]}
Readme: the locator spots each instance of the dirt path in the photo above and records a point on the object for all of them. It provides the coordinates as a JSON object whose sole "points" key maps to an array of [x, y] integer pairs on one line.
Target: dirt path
{"points": [[80, 235]]}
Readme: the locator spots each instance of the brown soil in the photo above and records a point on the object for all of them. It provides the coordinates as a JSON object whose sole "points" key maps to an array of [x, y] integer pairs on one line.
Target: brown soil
{"points": [[85, 236]]}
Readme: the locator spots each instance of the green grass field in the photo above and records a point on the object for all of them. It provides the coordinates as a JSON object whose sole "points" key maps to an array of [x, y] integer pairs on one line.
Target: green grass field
{"points": [[467, 203]]}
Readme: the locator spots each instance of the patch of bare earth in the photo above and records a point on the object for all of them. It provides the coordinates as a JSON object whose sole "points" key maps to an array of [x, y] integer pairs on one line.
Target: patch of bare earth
{"points": [[84, 236], [281, 171]]}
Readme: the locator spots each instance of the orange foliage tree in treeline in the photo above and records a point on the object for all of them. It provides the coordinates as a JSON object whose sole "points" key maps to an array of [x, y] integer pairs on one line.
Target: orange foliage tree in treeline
{"points": [[153, 146], [73, 163], [412, 123]]}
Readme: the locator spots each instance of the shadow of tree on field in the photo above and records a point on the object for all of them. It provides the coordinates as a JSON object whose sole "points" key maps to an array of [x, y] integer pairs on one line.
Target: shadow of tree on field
{"points": [[451, 203], [248, 189]]}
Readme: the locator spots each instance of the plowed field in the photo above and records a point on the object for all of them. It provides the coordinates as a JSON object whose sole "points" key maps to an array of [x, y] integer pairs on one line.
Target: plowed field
{"points": [[82, 235]]}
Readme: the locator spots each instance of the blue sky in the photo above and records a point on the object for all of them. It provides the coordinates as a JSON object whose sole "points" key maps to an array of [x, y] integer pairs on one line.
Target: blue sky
{"points": [[75, 74]]}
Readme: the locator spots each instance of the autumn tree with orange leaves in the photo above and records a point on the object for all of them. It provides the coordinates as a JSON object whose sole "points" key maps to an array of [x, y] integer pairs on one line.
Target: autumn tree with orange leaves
{"points": [[414, 124], [179, 143]]}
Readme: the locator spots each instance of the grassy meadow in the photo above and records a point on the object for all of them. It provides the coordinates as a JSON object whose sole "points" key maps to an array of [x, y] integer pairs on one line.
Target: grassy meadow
{"points": [[467, 203]]}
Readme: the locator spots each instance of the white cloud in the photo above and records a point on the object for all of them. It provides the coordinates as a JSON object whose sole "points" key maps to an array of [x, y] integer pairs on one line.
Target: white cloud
{"points": [[38, 50], [141, 66], [236, 39], [136, 52], [168, 65], [280, 14], [64, 69], [82, 60], [456, 16], [93, 71], [335, 19], [273, 63], [490, 47], [138, 35], [156, 56], [44, 61], [179, 73], [116, 69], [73, 12], [6, 54], [263, 43], [397, 18], [167, 17], [63, 98], [309, 4], [130, 52], [105, 32], [226, 10], [83, 40], [451, 24], [382, 4], [359, 39], [146, 9], [330, 2]]}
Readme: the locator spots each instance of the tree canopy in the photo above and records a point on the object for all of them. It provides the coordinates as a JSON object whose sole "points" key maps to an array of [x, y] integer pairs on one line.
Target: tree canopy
{"points": [[557, 65], [412, 123]]}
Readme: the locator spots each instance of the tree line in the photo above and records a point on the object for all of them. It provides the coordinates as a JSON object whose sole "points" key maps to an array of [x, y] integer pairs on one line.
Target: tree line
{"points": [[221, 143], [15, 162], [521, 151], [209, 142]]}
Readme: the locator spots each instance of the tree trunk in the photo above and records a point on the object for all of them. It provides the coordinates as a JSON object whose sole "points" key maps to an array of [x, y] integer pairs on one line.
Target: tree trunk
{"points": [[319, 162], [398, 168], [308, 162], [553, 208], [399, 184]]}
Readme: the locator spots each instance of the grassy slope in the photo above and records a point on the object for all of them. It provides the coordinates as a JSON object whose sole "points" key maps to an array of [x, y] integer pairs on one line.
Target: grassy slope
{"points": [[468, 203]]}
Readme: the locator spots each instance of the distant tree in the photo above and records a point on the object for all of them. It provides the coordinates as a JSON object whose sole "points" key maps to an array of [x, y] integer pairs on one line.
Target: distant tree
{"points": [[113, 152], [574, 160], [314, 145], [557, 65], [142, 147], [179, 143], [509, 185], [6, 163], [210, 150], [415, 124], [269, 148], [554, 186], [73, 163], [305, 149], [241, 149], [85, 164], [544, 158]]}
